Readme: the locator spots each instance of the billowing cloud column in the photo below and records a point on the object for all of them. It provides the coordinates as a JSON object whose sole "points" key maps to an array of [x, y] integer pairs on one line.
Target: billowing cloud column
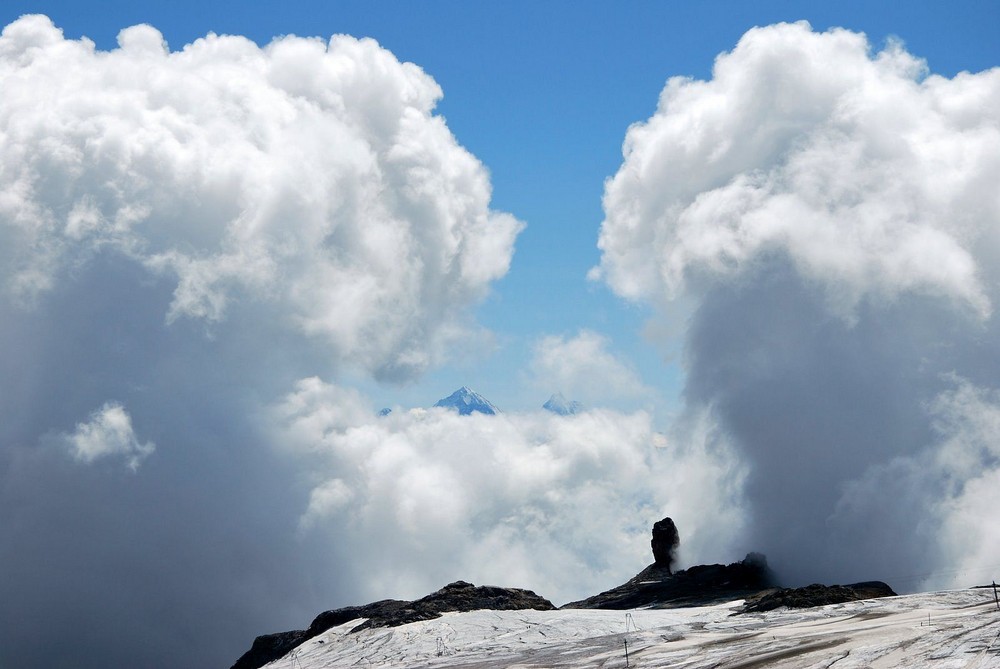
{"points": [[832, 216], [183, 236]]}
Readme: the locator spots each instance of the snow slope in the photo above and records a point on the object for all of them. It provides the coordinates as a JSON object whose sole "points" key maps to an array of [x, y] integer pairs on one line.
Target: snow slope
{"points": [[954, 629], [465, 400]]}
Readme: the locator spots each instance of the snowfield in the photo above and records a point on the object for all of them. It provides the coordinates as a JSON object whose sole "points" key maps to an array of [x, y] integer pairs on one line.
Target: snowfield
{"points": [[959, 629]]}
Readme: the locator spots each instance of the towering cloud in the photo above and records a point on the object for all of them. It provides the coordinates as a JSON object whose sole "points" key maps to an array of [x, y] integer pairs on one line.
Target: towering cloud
{"points": [[183, 235], [832, 216], [307, 178]]}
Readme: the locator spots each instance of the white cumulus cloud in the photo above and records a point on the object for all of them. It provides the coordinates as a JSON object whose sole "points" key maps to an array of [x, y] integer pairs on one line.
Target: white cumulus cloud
{"points": [[827, 215], [874, 177], [307, 176], [108, 432], [563, 505], [189, 230]]}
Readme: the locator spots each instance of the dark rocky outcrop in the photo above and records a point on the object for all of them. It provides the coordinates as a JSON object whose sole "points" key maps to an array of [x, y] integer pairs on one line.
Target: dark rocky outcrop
{"points": [[664, 543], [816, 595], [269, 647], [457, 596], [658, 587]]}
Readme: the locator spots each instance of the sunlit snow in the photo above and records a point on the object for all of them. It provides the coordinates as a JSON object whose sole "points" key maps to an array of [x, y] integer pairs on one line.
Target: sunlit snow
{"points": [[946, 629]]}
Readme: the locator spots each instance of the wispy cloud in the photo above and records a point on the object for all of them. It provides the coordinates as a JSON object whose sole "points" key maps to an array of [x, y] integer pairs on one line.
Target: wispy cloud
{"points": [[108, 432], [584, 367]]}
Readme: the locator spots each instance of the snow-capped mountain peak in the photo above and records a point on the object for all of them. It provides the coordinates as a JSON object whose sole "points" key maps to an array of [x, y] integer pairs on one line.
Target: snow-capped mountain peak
{"points": [[465, 400], [560, 405]]}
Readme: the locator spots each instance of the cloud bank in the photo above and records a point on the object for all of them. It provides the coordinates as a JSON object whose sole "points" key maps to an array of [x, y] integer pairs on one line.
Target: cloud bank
{"points": [[563, 505], [832, 216]]}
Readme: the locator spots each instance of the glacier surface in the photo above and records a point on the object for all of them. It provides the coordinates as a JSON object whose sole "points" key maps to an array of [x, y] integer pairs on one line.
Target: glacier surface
{"points": [[952, 629]]}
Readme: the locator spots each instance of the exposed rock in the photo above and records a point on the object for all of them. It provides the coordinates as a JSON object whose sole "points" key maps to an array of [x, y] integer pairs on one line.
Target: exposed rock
{"points": [[457, 596], [664, 543], [269, 647], [656, 587], [816, 595]]}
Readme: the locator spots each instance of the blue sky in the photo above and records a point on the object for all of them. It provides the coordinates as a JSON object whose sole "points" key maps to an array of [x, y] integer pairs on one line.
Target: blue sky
{"points": [[215, 262], [542, 93]]}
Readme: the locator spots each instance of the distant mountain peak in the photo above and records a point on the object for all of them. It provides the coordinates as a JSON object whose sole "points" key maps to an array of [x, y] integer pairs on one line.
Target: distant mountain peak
{"points": [[465, 400], [560, 405]]}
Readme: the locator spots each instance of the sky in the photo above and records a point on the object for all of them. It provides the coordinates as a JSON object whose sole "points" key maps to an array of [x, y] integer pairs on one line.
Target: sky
{"points": [[758, 241]]}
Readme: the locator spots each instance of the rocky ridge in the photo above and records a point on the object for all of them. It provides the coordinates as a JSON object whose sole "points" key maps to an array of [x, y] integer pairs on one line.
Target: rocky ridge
{"points": [[457, 596], [657, 587], [816, 594]]}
